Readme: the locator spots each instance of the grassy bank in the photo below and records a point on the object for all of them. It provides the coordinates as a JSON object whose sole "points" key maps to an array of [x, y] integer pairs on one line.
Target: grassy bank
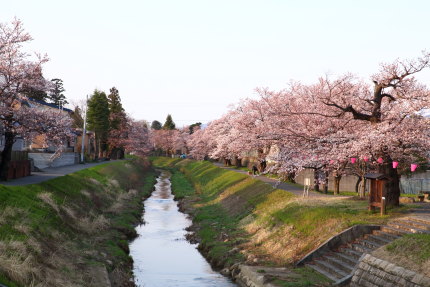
{"points": [[412, 251], [72, 230], [241, 219]]}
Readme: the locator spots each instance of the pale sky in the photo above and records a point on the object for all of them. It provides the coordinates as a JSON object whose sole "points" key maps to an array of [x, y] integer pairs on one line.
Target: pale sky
{"points": [[192, 58]]}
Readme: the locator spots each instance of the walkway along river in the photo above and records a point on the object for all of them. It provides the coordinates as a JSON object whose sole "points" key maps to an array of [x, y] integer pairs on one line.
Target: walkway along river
{"points": [[162, 256]]}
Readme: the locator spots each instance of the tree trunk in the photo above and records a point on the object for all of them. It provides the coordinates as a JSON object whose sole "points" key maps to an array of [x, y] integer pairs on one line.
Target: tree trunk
{"points": [[316, 180], [227, 162], [238, 162], [104, 148], [262, 165], [392, 185], [337, 179], [325, 186], [357, 185], [362, 190], [291, 176], [116, 153], [100, 154], [6, 155], [97, 146]]}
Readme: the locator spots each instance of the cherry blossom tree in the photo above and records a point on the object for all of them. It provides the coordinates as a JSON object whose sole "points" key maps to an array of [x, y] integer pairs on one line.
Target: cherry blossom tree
{"points": [[200, 144], [252, 119], [164, 140], [18, 73], [321, 126], [380, 120], [137, 140], [181, 139]]}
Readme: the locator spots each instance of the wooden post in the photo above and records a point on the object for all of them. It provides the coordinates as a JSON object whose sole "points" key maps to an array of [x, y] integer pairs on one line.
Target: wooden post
{"points": [[383, 206]]}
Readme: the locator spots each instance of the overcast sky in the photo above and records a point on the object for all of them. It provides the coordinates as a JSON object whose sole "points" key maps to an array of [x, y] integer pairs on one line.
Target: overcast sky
{"points": [[192, 58]]}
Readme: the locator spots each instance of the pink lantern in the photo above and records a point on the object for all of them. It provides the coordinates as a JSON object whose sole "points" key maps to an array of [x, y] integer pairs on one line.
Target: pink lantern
{"points": [[414, 167], [365, 158], [380, 160], [395, 164], [353, 159]]}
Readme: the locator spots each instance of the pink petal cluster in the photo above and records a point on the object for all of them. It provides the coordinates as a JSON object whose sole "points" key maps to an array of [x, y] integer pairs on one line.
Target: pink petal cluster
{"points": [[330, 121], [18, 74]]}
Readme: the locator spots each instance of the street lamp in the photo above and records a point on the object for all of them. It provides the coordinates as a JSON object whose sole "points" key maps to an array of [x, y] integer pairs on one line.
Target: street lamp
{"points": [[84, 131]]}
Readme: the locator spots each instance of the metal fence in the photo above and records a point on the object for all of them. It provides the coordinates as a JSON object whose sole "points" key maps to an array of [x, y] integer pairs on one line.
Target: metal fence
{"points": [[415, 185]]}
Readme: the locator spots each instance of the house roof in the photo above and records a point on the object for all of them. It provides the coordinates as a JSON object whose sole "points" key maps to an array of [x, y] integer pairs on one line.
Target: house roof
{"points": [[375, 176], [50, 105]]}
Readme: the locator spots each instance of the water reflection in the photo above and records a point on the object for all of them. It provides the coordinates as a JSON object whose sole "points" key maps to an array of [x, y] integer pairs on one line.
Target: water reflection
{"points": [[162, 257]]}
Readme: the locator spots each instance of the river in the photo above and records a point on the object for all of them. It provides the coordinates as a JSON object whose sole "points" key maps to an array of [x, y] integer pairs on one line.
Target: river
{"points": [[162, 256]]}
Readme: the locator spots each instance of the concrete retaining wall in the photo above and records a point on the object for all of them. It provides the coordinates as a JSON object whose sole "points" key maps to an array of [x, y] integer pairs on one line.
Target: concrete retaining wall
{"points": [[412, 184], [372, 271], [43, 160], [347, 183], [248, 276], [338, 240]]}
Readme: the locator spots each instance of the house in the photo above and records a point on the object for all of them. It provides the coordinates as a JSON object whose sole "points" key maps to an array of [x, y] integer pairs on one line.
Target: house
{"points": [[41, 153], [38, 151]]}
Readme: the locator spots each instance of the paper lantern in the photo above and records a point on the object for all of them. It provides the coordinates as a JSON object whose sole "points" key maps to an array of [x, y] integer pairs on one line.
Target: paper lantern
{"points": [[395, 164], [365, 158], [414, 167], [380, 160], [353, 159]]}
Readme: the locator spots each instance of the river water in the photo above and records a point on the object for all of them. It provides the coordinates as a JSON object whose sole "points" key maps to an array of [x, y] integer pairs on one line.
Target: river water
{"points": [[162, 256]]}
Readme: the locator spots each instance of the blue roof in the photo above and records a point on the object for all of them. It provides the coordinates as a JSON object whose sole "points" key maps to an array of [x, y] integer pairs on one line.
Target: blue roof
{"points": [[50, 105]]}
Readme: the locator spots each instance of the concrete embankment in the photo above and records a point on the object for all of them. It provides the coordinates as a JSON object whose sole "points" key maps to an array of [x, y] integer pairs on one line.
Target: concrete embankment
{"points": [[373, 271]]}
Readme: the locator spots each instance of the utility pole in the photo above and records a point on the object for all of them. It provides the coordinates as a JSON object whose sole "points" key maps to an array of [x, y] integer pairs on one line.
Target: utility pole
{"points": [[84, 131]]}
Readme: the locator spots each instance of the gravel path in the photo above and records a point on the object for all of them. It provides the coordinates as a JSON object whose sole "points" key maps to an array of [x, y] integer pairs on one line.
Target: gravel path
{"points": [[297, 190]]}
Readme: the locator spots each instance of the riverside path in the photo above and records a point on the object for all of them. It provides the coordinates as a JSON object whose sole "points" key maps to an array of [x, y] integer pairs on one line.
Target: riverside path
{"points": [[296, 189], [49, 173]]}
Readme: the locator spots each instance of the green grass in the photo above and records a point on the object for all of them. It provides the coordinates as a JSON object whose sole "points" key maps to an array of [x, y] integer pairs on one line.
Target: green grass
{"points": [[306, 219], [413, 246], [213, 222], [164, 162], [181, 187], [409, 195], [344, 193], [52, 215], [241, 168], [232, 209], [277, 177], [7, 282], [303, 277]]}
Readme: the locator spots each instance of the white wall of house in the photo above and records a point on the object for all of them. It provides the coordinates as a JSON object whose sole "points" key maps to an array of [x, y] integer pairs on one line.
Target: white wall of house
{"points": [[44, 160], [19, 144]]}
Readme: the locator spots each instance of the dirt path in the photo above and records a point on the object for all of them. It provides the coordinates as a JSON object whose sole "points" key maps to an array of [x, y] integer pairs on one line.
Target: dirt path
{"points": [[49, 173], [297, 190]]}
